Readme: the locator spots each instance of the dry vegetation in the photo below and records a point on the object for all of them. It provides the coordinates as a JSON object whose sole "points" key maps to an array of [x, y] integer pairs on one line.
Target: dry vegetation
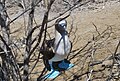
{"points": [[94, 29]]}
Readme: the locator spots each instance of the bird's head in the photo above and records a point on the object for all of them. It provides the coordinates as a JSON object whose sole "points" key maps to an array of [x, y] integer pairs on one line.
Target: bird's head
{"points": [[61, 25]]}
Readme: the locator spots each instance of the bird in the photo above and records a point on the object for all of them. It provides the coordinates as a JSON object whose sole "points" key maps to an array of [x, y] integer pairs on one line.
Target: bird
{"points": [[62, 44], [57, 49]]}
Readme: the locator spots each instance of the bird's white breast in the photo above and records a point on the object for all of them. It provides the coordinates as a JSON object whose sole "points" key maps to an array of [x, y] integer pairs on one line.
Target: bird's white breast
{"points": [[62, 47]]}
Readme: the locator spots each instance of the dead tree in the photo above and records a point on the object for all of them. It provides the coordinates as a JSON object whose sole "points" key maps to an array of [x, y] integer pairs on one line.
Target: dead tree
{"points": [[8, 65], [28, 43], [5, 34]]}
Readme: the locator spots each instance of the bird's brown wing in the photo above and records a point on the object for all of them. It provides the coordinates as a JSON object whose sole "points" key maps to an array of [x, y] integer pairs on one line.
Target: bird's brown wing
{"points": [[47, 52]]}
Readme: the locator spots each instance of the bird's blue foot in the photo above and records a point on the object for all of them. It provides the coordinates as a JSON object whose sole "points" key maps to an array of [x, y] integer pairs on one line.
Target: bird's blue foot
{"points": [[52, 74], [61, 65], [65, 65], [57, 67]]}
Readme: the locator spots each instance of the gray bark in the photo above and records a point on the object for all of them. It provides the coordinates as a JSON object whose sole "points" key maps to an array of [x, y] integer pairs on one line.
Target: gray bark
{"points": [[28, 44]]}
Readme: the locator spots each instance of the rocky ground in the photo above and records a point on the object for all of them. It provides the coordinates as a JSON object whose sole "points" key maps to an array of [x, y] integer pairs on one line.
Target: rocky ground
{"points": [[97, 24]]}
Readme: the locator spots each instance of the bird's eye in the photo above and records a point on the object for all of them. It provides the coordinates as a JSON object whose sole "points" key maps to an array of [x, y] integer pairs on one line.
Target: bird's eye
{"points": [[62, 25]]}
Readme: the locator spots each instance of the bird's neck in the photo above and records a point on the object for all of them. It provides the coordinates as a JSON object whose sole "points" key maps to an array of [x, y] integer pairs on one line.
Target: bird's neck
{"points": [[62, 35]]}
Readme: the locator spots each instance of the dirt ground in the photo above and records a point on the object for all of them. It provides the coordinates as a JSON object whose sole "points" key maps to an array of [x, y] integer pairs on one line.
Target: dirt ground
{"points": [[98, 21]]}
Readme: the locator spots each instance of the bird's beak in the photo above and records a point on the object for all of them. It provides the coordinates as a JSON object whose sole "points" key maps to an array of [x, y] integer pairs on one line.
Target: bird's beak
{"points": [[64, 27]]}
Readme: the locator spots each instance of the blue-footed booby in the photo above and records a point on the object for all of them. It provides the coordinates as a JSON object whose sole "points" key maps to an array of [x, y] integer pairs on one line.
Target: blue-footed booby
{"points": [[58, 49], [62, 44]]}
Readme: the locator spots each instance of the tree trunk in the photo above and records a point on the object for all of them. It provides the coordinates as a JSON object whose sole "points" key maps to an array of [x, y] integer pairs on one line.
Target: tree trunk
{"points": [[8, 65], [5, 35], [28, 44]]}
